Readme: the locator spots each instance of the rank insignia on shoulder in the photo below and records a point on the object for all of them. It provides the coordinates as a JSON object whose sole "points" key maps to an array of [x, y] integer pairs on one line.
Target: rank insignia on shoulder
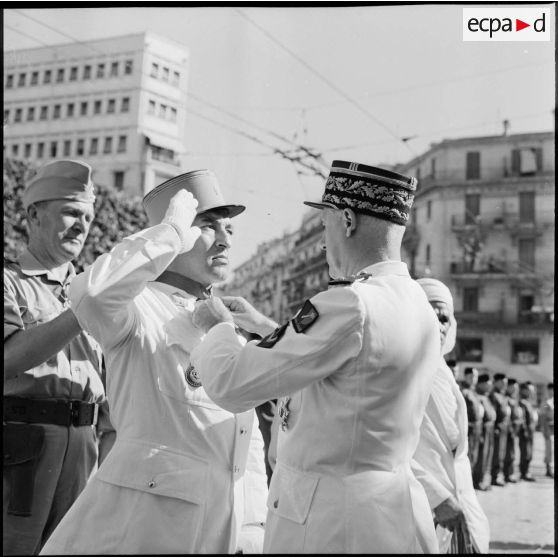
{"points": [[192, 377], [305, 317], [269, 340]]}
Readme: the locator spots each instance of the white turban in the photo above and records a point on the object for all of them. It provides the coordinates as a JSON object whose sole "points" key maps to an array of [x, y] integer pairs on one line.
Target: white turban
{"points": [[436, 291]]}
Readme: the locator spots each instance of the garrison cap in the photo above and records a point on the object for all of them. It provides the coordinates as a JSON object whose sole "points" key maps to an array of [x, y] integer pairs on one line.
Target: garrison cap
{"points": [[370, 190], [499, 376], [483, 378], [62, 179], [512, 381], [202, 184], [470, 370]]}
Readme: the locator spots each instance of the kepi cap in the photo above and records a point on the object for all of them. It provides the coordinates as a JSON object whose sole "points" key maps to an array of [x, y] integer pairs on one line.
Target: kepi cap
{"points": [[202, 184], [499, 376], [483, 378], [370, 190], [62, 179]]}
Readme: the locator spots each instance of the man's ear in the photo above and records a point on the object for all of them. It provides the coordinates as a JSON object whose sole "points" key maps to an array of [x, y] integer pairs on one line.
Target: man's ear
{"points": [[350, 221], [32, 214]]}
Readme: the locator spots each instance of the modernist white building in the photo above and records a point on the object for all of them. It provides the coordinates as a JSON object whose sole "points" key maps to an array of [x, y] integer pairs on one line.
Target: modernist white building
{"points": [[118, 104]]}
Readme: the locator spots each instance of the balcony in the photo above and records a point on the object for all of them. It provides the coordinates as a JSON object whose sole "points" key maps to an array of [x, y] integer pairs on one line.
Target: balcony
{"points": [[478, 318], [492, 267], [500, 221]]}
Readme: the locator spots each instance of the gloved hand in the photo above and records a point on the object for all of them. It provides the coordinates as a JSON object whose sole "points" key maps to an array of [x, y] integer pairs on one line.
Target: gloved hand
{"points": [[247, 317], [250, 539], [210, 312], [448, 513], [180, 215]]}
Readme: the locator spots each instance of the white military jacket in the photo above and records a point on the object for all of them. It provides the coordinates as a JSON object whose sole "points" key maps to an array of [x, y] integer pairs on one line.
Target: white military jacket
{"points": [[357, 364], [184, 474], [444, 468]]}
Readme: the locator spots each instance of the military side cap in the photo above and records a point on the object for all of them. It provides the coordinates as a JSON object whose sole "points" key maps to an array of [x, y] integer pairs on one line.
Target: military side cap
{"points": [[203, 186], [470, 370], [483, 378], [370, 190], [512, 381], [499, 376], [60, 180]]}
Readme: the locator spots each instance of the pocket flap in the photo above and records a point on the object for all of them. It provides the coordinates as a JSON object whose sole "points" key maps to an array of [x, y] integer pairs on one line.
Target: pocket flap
{"points": [[156, 469], [21, 443], [291, 493]]}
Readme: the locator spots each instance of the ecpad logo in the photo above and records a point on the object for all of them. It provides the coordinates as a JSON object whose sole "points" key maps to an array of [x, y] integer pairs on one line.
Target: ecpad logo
{"points": [[506, 24]]}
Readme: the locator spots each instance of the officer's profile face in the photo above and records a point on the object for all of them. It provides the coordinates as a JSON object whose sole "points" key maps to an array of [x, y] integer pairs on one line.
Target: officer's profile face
{"points": [[443, 313], [60, 227], [208, 261]]}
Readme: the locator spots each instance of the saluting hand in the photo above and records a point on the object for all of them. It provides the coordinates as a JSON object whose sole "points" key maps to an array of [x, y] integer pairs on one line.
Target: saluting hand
{"points": [[180, 214], [247, 317], [210, 312]]}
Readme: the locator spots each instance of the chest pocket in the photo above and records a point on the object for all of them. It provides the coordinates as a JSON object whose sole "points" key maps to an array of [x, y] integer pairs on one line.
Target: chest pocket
{"points": [[39, 313]]}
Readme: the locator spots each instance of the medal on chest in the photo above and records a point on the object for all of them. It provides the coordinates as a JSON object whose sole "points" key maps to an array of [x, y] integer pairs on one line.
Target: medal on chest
{"points": [[284, 413], [192, 377]]}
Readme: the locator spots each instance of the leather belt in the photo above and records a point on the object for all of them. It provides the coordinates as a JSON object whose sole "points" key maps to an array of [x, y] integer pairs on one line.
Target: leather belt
{"points": [[50, 411]]}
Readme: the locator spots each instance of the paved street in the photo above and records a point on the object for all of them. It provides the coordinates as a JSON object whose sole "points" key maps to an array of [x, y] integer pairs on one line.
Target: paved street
{"points": [[521, 515]]}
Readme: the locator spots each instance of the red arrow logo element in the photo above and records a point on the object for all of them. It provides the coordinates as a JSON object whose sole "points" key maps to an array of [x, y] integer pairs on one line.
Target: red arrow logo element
{"points": [[519, 25]]}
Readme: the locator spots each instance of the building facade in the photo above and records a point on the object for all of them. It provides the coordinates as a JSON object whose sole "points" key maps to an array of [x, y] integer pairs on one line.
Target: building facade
{"points": [[117, 103], [483, 223]]}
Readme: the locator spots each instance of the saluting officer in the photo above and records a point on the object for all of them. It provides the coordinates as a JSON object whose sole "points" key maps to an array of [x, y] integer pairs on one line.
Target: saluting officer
{"points": [[500, 403], [354, 369], [481, 469], [52, 369], [516, 421]]}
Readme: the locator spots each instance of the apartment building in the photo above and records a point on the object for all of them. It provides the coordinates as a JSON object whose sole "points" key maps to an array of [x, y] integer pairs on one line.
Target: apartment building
{"points": [[118, 104], [483, 223]]}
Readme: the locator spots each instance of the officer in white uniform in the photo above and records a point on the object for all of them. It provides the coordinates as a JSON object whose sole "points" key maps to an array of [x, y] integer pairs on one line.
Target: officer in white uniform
{"points": [[354, 368], [184, 476]]}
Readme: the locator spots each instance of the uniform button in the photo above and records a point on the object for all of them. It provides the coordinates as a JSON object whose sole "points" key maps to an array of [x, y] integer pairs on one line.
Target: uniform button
{"points": [[243, 430], [151, 483], [236, 469], [276, 504]]}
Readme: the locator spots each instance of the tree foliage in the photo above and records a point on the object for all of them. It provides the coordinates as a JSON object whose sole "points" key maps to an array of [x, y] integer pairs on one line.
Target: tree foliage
{"points": [[116, 216]]}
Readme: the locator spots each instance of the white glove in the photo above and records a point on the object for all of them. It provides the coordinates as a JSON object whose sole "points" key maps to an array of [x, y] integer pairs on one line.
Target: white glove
{"points": [[247, 317], [210, 312], [180, 215]]}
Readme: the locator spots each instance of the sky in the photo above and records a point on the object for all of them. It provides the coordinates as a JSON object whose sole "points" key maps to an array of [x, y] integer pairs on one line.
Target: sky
{"points": [[371, 84]]}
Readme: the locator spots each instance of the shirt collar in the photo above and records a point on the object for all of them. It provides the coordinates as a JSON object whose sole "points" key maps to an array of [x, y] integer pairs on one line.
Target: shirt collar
{"points": [[388, 267], [31, 266], [181, 284]]}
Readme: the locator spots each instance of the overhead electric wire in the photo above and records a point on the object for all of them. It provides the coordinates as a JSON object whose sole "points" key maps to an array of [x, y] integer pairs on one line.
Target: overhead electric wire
{"points": [[25, 35], [324, 79]]}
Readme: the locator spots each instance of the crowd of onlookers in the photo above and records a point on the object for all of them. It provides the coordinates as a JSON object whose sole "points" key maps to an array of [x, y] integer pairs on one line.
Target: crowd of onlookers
{"points": [[503, 416]]}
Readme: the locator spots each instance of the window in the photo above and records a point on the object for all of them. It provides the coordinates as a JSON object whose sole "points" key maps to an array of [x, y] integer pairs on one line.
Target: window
{"points": [[9, 81], [40, 150], [67, 148], [125, 107], [18, 115], [34, 78], [470, 299], [154, 70], [97, 107], [118, 180], [73, 73], [70, 110], [56, 111], [417, 174], [163, 111], [526, 248], [525, 351], [121, 144], [80, 147], [21, 80], [15, 149], [173, 114], [427, 257], [94, 147], [165, 74], [526, 161], [53, 148], [469, 350], [175, 78], [47, 78], [111, 105], [114, 69], [44, 113], [27, 153], [108, 145], [526, 207], [524, 305], [472, 170], [429, 209], [83, 108], [31, 114], [60, 75], [87, 72], [151, 107], [100, 70], [128, 67], [472, 208], [6, 116]]}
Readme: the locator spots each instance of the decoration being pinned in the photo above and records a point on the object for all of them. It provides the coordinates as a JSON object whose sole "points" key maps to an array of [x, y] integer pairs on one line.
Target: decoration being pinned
{"points": [[284, 413], [192, 377]]}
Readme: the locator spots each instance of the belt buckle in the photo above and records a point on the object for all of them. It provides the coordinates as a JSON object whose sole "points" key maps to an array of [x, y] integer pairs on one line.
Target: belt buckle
{"points": [[75, 413]]}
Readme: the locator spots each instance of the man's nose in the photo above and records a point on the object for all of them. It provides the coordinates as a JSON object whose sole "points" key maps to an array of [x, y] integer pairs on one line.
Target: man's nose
{"points": [[80, 223], [223, 239]]}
